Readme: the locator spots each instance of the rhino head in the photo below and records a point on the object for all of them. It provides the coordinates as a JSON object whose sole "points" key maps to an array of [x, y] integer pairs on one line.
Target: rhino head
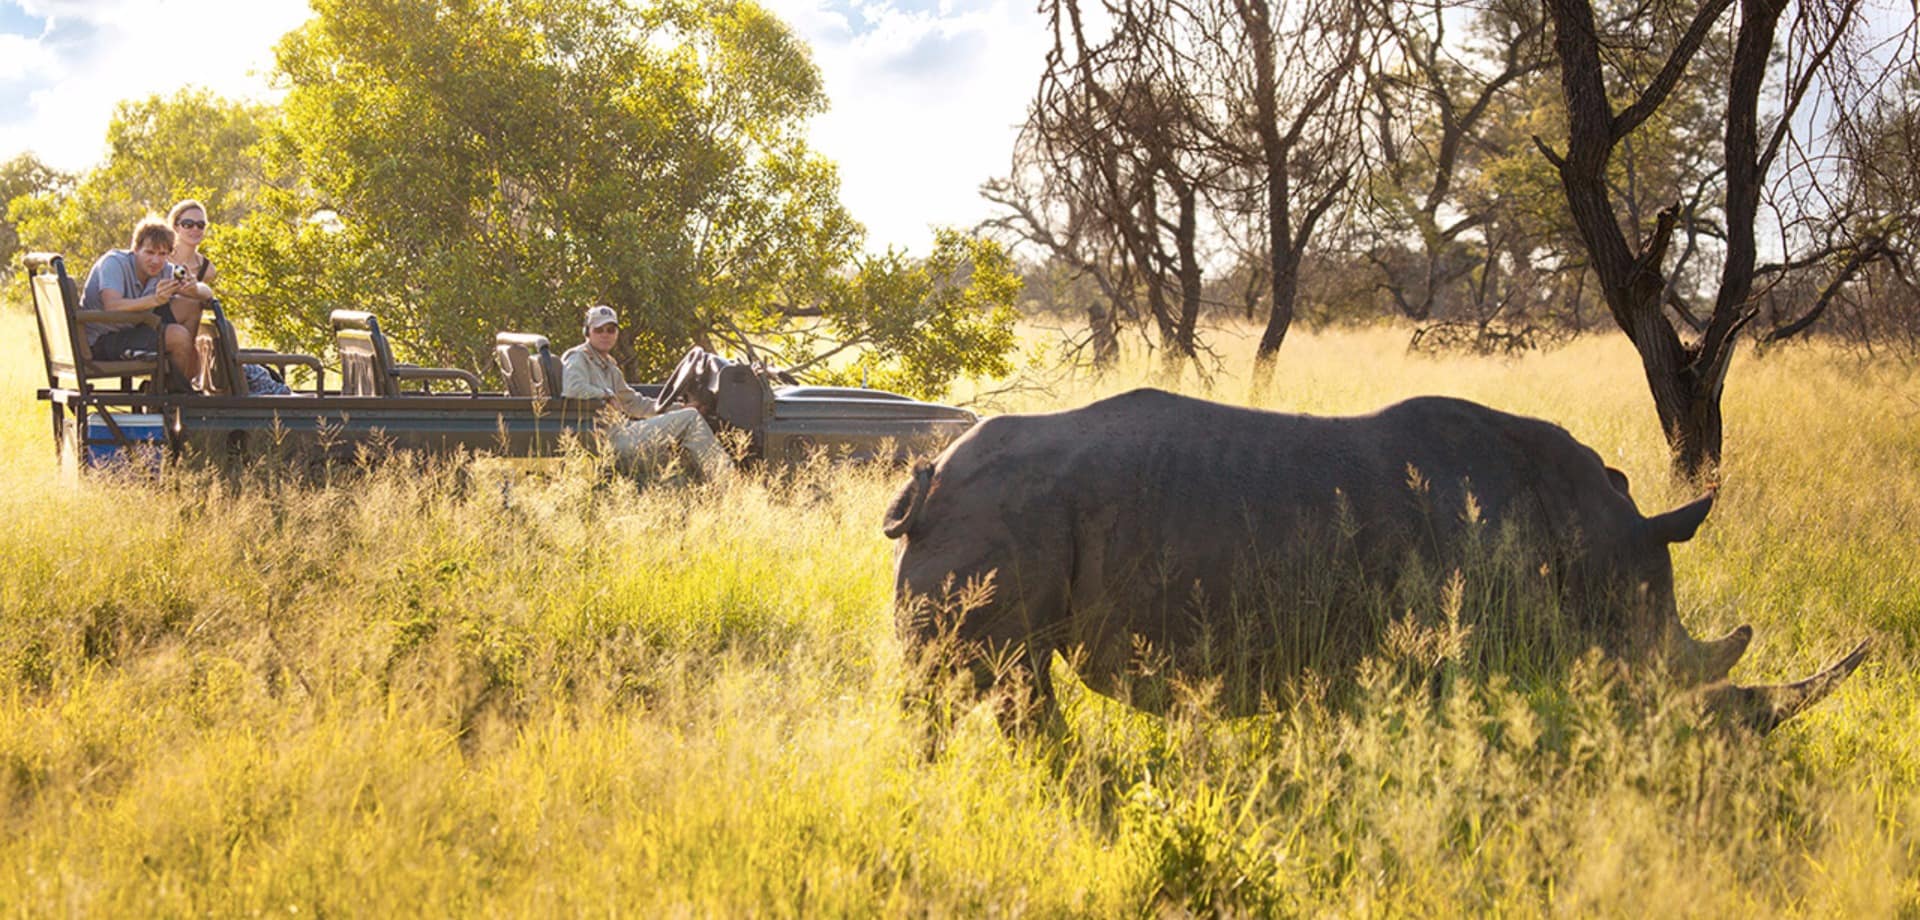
{"points": [[1706, 663]]}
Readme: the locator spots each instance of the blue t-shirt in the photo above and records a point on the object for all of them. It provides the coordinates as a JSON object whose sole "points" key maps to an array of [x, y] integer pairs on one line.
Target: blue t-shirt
{"points": [[115, 271]]}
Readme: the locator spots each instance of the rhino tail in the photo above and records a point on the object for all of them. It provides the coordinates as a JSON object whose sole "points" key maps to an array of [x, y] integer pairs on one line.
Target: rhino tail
{"points": [[906, 505]]}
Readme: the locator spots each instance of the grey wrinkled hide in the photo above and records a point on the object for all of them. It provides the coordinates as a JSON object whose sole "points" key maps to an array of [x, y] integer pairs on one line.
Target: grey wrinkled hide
{"points": [[1160, 522]]}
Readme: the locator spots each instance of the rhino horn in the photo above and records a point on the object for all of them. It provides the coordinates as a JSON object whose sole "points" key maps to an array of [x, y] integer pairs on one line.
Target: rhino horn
{"points": [[1709, 661], [1762, 709], [1680, 524]]}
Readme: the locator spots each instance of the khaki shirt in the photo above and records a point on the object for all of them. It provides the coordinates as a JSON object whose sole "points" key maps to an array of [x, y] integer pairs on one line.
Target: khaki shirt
{"points": [[588, 374]]}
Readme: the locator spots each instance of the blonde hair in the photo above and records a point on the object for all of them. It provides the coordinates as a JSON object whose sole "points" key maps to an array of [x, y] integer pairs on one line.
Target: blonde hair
{"points": [[173, 216], [152, 228]]}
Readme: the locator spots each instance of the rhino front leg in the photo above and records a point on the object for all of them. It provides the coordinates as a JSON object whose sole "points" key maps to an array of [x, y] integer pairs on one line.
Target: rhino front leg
{"points": [[1018, 681], [987, 638]]}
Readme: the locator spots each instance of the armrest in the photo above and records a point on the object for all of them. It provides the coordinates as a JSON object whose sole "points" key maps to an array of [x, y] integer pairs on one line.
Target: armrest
{"points": [[410, 372], [117, 317]]}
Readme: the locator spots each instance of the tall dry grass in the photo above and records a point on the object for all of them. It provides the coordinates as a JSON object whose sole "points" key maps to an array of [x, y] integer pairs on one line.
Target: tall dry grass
{"points": [[422, 691]]}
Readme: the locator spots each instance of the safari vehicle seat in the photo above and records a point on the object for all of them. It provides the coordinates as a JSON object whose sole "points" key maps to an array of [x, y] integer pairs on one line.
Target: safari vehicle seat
{"points": [[367, 367], [76, 382], [221, 358], [70, 364], [741, 397], [527, 364]]}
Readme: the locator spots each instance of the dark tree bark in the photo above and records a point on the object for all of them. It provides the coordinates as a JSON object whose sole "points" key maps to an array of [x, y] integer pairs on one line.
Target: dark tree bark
{"points": [[1686, 377], [1284, 127]]}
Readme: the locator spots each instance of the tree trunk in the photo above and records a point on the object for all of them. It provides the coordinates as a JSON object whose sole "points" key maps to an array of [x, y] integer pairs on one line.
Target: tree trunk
{"points": [[1286, 287], [1104, 327], [1282, 261], [1685, 379], [1688, 406], [1190, 281]]}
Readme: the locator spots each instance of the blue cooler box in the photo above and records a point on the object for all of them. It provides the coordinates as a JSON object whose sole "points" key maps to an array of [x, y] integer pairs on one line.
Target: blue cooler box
{"points": [[143, 427]]}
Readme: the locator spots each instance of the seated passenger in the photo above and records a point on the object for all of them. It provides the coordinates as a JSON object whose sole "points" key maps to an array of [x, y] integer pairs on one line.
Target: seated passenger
{"points": [[139, 279], [591, 373], [189, 222]]}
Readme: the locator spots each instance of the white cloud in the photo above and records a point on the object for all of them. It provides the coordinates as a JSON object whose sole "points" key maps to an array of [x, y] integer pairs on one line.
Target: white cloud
{"points": [[20, 56], [926, 94], [926, 104], [58, 89]]}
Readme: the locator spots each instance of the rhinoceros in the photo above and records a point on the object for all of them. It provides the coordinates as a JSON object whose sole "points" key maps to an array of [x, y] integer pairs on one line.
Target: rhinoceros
{"points": [[1152, 527]]}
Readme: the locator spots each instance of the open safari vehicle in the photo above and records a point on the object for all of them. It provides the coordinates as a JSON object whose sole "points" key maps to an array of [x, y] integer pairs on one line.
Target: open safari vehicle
{"points": [[102, 408]]}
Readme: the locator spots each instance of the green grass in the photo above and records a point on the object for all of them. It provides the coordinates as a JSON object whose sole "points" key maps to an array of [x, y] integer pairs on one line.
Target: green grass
{"points": [[574, 696]]}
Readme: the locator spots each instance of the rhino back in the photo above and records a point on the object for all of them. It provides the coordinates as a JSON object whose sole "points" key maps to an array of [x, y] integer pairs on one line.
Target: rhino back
{"points": [[1145, 513], [1173, 468]]}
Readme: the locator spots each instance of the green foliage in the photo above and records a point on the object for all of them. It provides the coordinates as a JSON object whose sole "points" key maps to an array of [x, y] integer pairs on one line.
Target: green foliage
{"points": [[917, 324], [192, 144], [506, 163], [21, 178]]}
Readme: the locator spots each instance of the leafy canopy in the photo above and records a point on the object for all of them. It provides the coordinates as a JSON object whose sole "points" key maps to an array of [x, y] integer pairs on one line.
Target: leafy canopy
{"points": [[21, 180], [192, 144], [920, 323], [502, 164]]}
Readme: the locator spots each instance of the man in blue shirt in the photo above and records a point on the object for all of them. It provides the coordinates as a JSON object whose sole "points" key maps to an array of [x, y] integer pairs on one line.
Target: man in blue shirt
{"points": [[135, 280]]}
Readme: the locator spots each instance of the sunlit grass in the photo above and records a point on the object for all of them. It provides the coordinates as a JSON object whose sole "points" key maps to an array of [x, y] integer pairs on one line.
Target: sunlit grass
{"points": [[422, 692]]}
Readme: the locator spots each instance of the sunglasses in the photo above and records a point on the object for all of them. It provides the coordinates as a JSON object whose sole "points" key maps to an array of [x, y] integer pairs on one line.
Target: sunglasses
{"points": [[610, 327], [193, 224]]}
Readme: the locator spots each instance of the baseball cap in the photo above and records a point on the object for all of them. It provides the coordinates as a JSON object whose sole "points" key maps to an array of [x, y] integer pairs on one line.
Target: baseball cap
{"points": [[600, 315]]}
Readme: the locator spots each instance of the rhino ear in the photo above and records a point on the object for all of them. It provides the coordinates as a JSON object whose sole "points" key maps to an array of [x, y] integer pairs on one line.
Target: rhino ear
{"points": [[1619, 481], [907, 504], [1679, 525]]}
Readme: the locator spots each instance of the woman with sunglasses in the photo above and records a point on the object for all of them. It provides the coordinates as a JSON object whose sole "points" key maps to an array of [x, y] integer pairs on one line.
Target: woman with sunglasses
{"points": [[189, 221]]}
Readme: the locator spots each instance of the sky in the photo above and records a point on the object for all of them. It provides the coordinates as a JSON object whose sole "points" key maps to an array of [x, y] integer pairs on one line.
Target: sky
{"points": [[926, 94]]}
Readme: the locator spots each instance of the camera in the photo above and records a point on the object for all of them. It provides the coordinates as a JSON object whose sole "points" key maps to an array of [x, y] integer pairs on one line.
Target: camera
{"points": [[179, 273]]}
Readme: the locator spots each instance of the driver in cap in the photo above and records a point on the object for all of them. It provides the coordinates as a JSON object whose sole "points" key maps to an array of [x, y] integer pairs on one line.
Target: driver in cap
{"points": [[592, 373]]}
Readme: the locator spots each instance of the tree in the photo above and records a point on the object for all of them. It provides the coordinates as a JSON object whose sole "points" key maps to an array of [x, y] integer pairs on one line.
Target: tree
{"points": [[1182, 133], [1111, 172], [21, 178], [1443, 232], [1297, 68], [909, 325], [192, 144], [1872, 231], [501, 164], [1767, 76]]}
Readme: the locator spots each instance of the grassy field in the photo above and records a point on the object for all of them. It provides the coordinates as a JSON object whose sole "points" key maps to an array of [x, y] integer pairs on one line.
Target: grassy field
{"points": [[406, 696]]}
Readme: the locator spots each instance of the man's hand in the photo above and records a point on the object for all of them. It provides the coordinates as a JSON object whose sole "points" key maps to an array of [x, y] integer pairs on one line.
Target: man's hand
{"points": [[166, 289], [194, 291]]}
